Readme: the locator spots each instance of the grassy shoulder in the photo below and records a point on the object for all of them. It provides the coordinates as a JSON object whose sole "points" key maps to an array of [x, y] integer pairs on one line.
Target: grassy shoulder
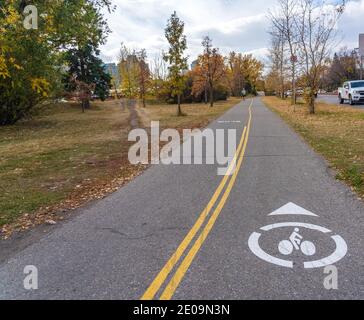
{"points": [[197, 115], [65, 158], [335, 132]]}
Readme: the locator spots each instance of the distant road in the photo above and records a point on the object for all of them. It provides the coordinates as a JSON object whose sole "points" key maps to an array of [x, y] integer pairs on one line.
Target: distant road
{"points": [[332, 99]]}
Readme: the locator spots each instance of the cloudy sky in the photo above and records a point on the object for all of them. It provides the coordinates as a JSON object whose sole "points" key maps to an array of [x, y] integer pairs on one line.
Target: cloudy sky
{"points": [[239, 25]]}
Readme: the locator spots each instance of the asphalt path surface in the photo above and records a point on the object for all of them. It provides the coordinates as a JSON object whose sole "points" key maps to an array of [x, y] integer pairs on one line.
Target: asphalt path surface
{"points": [[333, 99], [184, 232]]}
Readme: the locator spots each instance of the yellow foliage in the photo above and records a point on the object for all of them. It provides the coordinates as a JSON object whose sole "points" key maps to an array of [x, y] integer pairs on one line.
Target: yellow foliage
{"points": [[4, 72], [41, 86], [12, 17]]}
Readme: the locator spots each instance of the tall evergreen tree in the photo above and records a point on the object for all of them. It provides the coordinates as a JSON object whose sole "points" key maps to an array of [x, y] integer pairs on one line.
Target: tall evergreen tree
{"points": [[86, 67]]}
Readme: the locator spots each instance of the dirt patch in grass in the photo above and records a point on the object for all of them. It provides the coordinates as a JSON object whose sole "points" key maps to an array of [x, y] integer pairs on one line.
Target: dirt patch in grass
{"points": [[64, 158], [335, 132]]}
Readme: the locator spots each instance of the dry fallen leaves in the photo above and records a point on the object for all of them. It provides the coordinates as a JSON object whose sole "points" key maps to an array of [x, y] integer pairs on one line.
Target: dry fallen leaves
{"points": [[82, 194]]}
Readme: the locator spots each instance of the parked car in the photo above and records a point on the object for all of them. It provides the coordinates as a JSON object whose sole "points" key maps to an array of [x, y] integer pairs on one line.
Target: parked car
{"points": [[352, 91], [288, 93], [299, 92]]}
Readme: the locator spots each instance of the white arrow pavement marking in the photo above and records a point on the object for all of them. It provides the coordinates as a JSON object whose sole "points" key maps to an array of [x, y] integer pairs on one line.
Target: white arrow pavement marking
{"points": [[292, 209]]}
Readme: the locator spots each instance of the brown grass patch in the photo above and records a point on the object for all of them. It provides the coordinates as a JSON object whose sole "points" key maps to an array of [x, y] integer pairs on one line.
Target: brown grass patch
{"points": [[64, 158]]}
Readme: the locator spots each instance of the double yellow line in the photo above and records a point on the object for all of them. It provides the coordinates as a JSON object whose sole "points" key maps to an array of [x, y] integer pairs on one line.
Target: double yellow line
{"points": [[176, 279]]}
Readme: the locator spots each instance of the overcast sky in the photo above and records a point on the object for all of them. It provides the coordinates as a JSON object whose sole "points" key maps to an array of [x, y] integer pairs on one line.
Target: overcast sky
{"points": [[239, 25]]}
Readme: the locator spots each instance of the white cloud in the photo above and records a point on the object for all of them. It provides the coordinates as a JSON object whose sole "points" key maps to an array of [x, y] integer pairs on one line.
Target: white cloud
{"points": [[239, 25], [352, 24]]}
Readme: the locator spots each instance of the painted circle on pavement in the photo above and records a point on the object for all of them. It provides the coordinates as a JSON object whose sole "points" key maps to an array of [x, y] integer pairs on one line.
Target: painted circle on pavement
{"points": [[296, 242]]}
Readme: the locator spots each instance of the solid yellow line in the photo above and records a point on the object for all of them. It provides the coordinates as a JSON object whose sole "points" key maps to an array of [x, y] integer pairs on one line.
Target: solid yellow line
{"points": [[186, 263], [158, 281], [163, 274]]}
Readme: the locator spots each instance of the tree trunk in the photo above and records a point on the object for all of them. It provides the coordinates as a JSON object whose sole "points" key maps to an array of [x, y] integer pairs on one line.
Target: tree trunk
{"points": [[116, 92], [211, 95], [83, 106], [87, 104], [282, 89], [142, 98], [282, 73], [311, 103], [179, 111], [294, 90], [206, 99]]}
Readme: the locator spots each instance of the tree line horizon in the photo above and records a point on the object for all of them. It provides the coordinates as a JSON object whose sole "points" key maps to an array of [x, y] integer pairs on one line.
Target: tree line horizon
{"points": [[61, 59], [167, 77]]}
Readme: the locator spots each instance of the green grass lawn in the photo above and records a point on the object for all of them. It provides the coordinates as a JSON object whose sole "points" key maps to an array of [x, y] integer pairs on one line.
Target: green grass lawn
{"points": [[42, 160]]}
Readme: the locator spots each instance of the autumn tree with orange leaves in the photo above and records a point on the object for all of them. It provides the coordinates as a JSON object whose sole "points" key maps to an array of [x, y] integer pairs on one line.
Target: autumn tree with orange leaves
{"points": [[143, 75], [209, 71], [243, 72]]}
